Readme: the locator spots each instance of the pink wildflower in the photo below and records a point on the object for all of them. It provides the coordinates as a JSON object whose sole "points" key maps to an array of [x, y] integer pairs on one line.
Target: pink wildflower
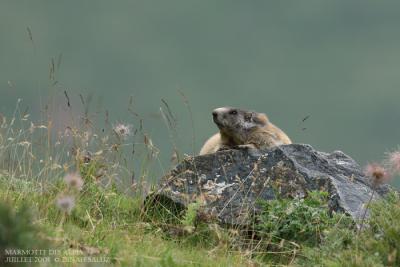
{"points": [[394, 161], [74, 180], [65, 203], [377, 173]]}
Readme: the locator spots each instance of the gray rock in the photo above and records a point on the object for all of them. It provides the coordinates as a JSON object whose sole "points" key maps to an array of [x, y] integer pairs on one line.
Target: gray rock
{"points": [[229, 182]]}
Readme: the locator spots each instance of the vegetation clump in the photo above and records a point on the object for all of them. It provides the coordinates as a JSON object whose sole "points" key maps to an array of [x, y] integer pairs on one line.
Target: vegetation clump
{"points": [[298, 220], [17, 233]]}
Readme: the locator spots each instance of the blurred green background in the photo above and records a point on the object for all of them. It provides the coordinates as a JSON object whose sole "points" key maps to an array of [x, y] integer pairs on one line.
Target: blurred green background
{"points": [[337, 61]]}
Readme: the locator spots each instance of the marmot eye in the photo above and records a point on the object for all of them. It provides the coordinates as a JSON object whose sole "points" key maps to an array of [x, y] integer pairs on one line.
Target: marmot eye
{"points": [[233, 112]]}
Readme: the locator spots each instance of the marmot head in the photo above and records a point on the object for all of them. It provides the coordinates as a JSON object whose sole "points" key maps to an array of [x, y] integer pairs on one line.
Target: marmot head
{"points": [[236, 122]]}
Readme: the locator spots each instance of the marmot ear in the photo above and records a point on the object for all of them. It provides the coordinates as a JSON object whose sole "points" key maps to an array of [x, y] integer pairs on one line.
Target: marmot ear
{"points": [[260, 118], [248, 116]]}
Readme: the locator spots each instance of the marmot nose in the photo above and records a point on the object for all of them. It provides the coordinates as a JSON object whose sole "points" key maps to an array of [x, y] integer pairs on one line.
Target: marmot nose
{"points": [[215, 114]]}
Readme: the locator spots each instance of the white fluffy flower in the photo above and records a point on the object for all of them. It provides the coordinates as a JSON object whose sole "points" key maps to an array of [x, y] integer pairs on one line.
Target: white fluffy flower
{"points": [[123, 130]]}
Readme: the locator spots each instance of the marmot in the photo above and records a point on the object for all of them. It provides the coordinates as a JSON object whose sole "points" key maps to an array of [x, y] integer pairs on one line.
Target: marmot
{"points": [[239, 127]]}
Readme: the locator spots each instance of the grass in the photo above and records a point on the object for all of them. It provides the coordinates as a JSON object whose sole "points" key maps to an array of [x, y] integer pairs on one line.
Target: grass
{"points": [[109, 223], [75, 191], [106, 222]]}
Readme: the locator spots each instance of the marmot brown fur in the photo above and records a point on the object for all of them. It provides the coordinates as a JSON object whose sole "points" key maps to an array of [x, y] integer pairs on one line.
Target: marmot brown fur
{"points": [[239, 127]]}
